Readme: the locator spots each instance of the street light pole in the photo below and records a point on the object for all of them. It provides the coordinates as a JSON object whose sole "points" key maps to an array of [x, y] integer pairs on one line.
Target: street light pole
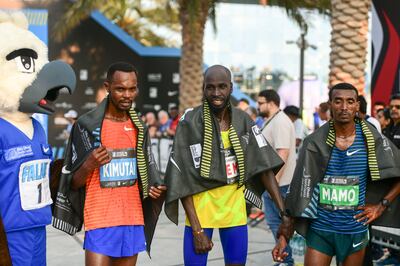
{"points": [[303, 45]]}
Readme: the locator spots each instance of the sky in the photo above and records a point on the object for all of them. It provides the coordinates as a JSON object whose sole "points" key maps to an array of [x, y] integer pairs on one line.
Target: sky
{"points": [[253, 35]]}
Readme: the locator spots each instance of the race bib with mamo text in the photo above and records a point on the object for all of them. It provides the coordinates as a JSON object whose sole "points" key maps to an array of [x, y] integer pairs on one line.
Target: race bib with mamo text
{"points": [[339, 193]]}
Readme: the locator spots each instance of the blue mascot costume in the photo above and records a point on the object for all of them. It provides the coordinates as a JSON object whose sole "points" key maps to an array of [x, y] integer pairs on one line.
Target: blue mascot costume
{"points": [[28, 84]]}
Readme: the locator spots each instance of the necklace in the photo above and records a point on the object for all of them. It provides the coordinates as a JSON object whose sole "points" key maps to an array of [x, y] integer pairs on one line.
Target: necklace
{"points": [[118, 119], [345, 137]]}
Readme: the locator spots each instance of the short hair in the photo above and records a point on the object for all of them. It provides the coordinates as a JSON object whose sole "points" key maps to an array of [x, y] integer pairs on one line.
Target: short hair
{"points": [[244, 100], [292, 110], [270, 96], [324, 107], [120, 66], [342, 86], [395, 97], [385, 111], [363, 104], [379, 103]]}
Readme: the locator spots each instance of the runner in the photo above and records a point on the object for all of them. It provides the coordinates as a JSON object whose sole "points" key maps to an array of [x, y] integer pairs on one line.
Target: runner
{"points": [[109, 155], [346, 177], [219, 159]]}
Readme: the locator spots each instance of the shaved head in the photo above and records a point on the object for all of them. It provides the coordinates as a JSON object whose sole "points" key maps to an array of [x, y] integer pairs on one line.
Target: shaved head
{"points": [[218, 69], [217, 87]]}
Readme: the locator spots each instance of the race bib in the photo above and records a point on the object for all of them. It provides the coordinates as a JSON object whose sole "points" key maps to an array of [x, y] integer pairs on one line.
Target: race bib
{"points": [[231, 166], [121, 171], [339, 193], [34, 188]]}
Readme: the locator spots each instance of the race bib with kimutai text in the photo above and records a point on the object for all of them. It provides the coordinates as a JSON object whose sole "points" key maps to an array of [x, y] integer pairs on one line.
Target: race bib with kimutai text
{"points": [[121, 171]]}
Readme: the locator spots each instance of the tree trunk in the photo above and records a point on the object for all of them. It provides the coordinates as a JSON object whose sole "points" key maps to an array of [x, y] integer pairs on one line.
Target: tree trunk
{"points": [[191, 63], [349, 42]]}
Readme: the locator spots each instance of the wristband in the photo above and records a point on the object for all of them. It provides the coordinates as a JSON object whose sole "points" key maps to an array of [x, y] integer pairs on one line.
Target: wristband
{"points": [[198, 232]]}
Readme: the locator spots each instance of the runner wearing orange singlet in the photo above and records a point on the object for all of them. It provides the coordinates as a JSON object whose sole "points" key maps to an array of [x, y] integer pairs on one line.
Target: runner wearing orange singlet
{"points": [[113, 213]]}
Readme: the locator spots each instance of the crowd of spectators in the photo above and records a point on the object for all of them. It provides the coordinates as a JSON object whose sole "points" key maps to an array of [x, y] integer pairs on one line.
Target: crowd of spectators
{"points": [[162, 124]]}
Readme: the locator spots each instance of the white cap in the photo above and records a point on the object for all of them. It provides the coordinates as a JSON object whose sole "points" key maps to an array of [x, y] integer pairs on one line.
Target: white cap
{"points": [[71, 114]]}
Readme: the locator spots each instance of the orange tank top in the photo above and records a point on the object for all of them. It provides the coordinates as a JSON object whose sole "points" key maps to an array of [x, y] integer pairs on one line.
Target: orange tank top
{"points": [[107, 207]]}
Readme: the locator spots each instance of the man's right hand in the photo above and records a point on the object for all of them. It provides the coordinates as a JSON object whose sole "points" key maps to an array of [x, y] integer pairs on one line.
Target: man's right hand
{"points": [[278, 253], [286, 227], [97, 158], [202, 244]]}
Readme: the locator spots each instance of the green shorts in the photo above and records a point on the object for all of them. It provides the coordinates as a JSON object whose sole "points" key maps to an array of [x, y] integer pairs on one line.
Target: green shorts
{"points": [[341, 245]]}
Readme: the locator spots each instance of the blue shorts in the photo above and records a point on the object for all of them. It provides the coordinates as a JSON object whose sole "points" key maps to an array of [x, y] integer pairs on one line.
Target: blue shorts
{"points": [[234, 244], [28, 247], [117, 241]]}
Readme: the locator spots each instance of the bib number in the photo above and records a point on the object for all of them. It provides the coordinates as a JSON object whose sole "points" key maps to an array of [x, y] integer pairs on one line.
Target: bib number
{"points": [[231, 166], [339, 193], [34, 188], [121, 171]]}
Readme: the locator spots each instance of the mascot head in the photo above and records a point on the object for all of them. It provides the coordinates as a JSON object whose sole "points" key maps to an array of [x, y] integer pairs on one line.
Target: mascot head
{"points": [[28, 82]]}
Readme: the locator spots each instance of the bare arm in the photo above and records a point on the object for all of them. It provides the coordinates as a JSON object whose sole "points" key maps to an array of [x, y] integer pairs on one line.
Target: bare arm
{"points": [[286, 229], [284, 154], [372, 212], [202, 243], [271, 185], [97, 158]]}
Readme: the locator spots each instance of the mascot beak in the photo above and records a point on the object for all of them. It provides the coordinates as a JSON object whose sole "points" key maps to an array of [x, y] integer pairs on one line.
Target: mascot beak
{"points": [[40, 96]]}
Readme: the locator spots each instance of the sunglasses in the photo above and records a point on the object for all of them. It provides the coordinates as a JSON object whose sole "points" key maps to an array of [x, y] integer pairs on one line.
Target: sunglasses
{"points": [[395, 106]]}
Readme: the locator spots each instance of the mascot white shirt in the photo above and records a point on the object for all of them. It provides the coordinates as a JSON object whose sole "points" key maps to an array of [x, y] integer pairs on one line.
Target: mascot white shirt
{"points": [[28, 84]]}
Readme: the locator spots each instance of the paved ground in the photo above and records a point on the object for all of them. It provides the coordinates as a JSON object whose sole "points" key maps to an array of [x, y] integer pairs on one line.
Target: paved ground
{"points": [[166, 248], [64, 250]]}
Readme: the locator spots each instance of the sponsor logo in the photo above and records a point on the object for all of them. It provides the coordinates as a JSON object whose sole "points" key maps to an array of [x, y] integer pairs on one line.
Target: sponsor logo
{"points": [[261, 141], [196, 154], [128, 128], [350, 153], [356, 245], [172, 93], [65, 171], [18, 153]]}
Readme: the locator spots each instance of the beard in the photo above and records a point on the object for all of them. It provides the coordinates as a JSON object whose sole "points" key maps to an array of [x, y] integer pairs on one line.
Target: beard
{"points": [[218, 109], [262, 114]]}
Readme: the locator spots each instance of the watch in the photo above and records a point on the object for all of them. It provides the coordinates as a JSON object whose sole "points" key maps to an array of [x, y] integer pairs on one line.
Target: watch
{"points": [[385, 202], [283, 213]]}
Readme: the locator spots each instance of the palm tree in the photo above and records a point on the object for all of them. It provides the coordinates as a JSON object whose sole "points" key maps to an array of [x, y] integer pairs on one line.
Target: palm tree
{"points": [[193, 15], [134, 17], [349, 23]]}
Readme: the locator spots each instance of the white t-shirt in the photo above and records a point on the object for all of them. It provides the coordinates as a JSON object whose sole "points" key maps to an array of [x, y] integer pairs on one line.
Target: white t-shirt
{"points": [[375, 123], [300, 129], [281, 135]]}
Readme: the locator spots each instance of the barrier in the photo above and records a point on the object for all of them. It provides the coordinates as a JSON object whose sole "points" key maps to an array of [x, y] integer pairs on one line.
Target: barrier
{"points": [[161, 149]]}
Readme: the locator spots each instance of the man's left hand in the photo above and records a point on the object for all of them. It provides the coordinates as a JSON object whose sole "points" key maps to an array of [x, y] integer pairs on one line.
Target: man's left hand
{"points": [[370, 213], [155, 192]]}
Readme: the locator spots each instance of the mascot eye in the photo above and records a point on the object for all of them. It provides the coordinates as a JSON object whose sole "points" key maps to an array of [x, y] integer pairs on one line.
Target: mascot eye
{"points": [[25, 64]]}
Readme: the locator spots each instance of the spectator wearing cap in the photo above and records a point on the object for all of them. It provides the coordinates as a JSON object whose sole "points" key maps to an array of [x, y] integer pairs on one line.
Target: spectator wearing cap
{"points": [[301, 131]]}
